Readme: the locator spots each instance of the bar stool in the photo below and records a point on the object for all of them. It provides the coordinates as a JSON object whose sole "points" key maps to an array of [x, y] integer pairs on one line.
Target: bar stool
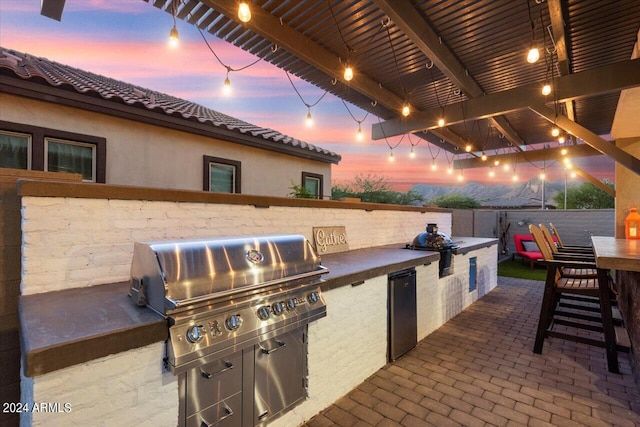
{"points": [[561, 283]]}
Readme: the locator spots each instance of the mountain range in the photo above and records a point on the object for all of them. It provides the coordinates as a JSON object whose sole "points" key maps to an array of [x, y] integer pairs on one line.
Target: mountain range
{"points": [[520, 194]]}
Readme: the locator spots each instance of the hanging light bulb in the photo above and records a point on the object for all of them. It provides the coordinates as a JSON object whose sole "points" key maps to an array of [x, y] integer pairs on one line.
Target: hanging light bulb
{"points": [[174, 38], [561, 139], [484, 157], [533, 55], [359, 135], [572, 174], [391, 158], [244, 12], [491, 173], [496, 162], [348, 72], [468, 148], [441, 122], [555, 132], [406, 109], [450, 170], [543, 176], [567, 163], [460, 177], [564, 151], [226, 88], [309, 118], [505, 166], [515, 178], [434, 167], [546, 89], [412, 154]]}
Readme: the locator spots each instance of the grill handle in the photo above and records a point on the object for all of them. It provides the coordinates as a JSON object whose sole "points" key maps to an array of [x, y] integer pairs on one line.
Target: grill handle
{"points": [[228, 412], [227, 365], [175, 304], [271, 350]]}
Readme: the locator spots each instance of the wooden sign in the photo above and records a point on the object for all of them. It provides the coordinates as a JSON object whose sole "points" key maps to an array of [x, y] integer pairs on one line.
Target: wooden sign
{"points": [[329, 240]]}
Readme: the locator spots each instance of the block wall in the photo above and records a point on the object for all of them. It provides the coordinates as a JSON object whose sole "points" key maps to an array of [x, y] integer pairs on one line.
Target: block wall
{"points": [[75, 242], [128, 388]]}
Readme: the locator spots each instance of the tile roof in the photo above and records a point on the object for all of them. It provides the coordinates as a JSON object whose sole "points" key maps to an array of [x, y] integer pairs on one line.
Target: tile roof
{"points": [[28, 67]]}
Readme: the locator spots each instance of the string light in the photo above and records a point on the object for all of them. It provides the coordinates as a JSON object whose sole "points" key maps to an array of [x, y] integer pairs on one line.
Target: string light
{"points": [[561, 139], [491, 173], [496, 162], [309, 118], [441, 122], [460, 177], [564, 151], [406, 109], [450, 170], [360, 135], [543, 176], [515, 178], [226, 88], [505, 166], [348, 72], [434, 167], [244, 12], [555, 132], [484, 157], [412, 153], [546, 89], [174, 38], [391, 157], [533, 55], [468, 148]]}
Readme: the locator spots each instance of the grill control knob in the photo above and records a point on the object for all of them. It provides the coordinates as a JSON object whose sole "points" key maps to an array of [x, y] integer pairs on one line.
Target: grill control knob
{"points": [[313, 297], [194, 334], [264, 312], [233, 322], [291, 304], [277, 308]]}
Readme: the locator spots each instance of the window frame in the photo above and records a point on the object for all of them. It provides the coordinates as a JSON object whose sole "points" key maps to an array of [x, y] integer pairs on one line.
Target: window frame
{"points": [[38, 135], [94, 156], [206, 178], [315, 176], [29, 143]]}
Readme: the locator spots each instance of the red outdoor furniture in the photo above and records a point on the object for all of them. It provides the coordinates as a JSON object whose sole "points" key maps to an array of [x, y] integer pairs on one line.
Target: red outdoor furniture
{"points": [[526, 248]]}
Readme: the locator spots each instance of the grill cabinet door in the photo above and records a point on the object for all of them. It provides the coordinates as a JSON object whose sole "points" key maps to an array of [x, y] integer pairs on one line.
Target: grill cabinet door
{"points": [[280, 365]]}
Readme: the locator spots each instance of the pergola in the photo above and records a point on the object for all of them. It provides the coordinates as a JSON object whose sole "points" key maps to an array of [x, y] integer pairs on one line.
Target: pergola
{"points": [[460, 61]]}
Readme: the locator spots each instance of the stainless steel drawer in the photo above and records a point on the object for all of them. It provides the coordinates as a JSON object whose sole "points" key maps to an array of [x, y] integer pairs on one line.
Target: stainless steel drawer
{"points": [[213, 382], [226, 413]]}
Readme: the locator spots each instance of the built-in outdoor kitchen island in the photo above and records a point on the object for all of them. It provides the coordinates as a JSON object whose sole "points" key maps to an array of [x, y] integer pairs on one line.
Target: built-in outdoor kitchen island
{"points": [[89, 348]]}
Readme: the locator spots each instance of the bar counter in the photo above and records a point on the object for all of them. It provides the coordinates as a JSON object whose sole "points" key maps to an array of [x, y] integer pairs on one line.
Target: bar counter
{"points": [[616, 254]]}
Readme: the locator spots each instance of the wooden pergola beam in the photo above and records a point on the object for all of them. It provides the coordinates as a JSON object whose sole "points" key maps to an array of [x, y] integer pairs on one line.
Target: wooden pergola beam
{"points": [[608, 78], [601, 185], [52, 9], [605, 147], [530, 156]]}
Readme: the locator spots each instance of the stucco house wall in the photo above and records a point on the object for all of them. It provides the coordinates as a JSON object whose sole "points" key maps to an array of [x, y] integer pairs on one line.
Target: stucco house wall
{"points": [[145, 155]]}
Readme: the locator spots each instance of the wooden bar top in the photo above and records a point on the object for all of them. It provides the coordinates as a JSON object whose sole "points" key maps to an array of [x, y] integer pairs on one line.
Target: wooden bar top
{"points": [[616, 254]]}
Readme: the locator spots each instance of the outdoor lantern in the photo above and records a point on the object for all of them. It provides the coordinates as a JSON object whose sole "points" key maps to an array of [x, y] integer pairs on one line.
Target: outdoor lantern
{"points": [[632, 225]]}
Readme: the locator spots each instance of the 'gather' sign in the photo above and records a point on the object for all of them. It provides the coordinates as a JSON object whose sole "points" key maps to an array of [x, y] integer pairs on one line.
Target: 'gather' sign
{"points": [[330, 240]]}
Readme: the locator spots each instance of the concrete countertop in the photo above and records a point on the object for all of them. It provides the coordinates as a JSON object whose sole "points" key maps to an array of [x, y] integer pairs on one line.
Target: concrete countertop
{"points": [[65, 328]]}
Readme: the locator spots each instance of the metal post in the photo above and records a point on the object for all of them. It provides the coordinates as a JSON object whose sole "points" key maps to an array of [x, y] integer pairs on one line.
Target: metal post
{"points": [[565, 189]]}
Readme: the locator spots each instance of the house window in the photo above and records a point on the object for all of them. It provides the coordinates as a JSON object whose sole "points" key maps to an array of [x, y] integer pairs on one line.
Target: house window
{"points": [[15, 150], [70, 157], [312, 182], [43, 149], [221, 175]]}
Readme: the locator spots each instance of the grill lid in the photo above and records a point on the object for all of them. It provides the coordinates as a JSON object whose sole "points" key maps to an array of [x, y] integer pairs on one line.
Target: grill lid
{"points": [[171, 274]]}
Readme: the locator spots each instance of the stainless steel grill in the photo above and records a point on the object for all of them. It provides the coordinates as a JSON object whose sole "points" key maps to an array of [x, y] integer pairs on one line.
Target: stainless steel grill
{"points": [[237, 310]]}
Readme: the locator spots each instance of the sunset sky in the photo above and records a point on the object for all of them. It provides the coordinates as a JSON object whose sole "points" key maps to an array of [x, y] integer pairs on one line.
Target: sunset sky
{"points": [[127, 40]]}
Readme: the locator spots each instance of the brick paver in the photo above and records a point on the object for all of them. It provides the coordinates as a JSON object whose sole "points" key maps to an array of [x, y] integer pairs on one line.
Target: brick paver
{"points": [[479, 370]]}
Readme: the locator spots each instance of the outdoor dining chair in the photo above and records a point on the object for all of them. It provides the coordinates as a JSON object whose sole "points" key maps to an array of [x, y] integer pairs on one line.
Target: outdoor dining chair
{"points": [[565, 281]]}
